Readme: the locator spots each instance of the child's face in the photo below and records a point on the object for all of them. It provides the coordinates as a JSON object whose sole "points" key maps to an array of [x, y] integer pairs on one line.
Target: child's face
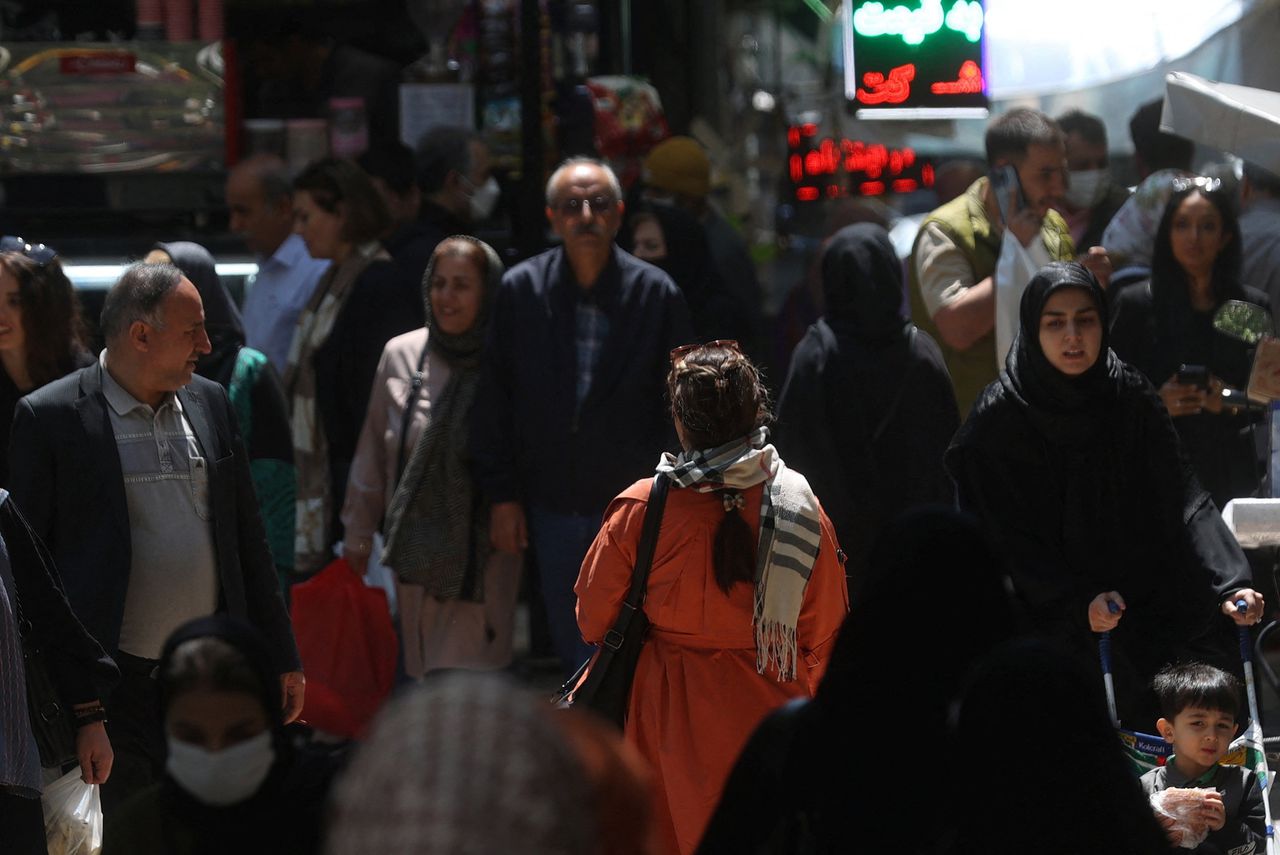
{"points": [[1199, 737]]}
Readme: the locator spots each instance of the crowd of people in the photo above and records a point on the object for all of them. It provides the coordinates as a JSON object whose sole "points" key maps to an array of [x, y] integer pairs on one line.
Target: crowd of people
{"points": [[1016, 441]]}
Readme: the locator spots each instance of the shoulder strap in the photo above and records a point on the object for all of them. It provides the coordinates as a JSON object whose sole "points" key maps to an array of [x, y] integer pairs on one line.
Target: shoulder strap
{"points": [[648, 540], [406, 418], [632, 605]]}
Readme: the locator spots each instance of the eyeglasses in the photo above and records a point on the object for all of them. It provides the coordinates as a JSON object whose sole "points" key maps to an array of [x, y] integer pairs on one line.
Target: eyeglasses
{"points": [[599, 204], [683, 351], [1202, 182], [40, 253]]}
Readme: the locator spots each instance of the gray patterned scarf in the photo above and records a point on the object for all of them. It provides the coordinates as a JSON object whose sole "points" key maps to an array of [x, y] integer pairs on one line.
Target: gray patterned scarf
{"points": [[310, 445], [437, 535], [790, 533]]}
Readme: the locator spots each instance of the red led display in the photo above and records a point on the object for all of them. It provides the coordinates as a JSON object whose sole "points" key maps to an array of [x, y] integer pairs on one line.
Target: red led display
{"points": [[843, 167]]}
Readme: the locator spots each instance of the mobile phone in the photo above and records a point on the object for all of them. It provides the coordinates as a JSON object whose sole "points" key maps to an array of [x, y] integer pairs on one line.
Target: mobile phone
{"points": [[1194, 375], [1003, 179]]}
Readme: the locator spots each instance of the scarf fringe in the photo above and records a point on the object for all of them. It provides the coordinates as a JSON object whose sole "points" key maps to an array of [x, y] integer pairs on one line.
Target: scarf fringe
{"points": [[775, 648]]}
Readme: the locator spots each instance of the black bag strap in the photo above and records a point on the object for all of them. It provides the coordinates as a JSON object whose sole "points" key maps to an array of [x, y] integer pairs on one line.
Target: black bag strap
{"points": [[644, 561]]}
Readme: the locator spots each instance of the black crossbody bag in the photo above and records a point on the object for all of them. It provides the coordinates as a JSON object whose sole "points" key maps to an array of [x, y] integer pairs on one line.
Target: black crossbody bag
{"points": [[603, 682]]}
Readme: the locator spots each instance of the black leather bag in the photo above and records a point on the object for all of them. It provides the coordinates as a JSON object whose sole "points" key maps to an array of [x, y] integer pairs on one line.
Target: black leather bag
{"points": [[50, 717], [603, 682]]}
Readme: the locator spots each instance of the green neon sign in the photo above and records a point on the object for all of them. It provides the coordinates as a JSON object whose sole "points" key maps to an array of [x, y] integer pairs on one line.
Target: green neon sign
{"points": [[915, 25]]}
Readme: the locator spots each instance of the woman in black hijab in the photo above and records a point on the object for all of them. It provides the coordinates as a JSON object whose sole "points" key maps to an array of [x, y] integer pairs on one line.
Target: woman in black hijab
{"points": [[237, 780], [1168, 322], [818, 775], [1072, 462], [868, 408], [673, 240], [1083, 797], [255, 392]]}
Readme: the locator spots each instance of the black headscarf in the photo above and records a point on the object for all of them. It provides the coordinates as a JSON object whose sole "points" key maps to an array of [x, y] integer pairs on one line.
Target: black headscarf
{"points": [[1065, 410], [284, 815], [862, 284], [688, 259], [221, 317]]}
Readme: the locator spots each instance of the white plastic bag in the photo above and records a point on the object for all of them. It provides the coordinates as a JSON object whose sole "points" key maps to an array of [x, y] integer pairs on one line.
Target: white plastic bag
{"points": [[1014, 269], [72, 816], [1183, 806]]}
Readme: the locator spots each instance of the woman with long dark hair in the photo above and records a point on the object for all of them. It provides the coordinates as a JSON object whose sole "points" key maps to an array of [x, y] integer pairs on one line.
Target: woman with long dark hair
{"points": [[42, 334], [745, 594], [1167, 323], [1071, 461]]}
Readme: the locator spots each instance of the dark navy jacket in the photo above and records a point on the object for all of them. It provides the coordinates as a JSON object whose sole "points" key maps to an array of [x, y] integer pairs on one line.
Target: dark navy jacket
{"points": [[530, 441]]}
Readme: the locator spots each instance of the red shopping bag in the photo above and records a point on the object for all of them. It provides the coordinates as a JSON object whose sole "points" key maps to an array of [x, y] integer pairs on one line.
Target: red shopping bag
{"points": [[348, 648]]}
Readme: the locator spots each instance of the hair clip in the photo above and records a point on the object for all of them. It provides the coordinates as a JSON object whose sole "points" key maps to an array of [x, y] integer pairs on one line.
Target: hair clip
{"points": [[732, 499]]}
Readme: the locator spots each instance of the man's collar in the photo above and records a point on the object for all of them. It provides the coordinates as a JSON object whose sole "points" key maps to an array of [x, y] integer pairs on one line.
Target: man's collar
{"points": [[606, 281], [289, 253], [119, 398]]}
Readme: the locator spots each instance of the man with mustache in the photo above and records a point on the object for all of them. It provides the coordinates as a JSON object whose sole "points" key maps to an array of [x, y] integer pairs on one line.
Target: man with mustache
{"points": [[571, 404]]}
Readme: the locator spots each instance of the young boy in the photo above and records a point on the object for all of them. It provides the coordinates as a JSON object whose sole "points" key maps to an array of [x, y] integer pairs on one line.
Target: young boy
{"points": [[1199, 703]]}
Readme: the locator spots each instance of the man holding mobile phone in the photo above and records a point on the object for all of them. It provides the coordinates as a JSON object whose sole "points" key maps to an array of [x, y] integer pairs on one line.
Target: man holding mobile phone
{"points": [[952, 287]]}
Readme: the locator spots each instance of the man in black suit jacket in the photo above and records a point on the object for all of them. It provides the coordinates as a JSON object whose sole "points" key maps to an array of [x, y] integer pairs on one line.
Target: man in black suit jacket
{"points": [[133, 472]]}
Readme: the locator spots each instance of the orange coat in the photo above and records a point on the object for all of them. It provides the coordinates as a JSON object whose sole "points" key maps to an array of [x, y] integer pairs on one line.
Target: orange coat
{"points": [[696, 696]]}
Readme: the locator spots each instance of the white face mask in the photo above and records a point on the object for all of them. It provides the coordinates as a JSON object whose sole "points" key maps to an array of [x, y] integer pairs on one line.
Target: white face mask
{"points": [[225, 777], [483, 199], [1087, 187]]}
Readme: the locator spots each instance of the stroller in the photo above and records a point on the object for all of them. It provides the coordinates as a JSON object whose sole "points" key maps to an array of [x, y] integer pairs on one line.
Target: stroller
{"points": [[1249, 749]]}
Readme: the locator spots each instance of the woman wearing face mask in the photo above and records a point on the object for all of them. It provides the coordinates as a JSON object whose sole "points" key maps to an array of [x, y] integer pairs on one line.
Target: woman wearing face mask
{"points": [[410, 476], [360, 303], [1073, 464], [234, 780], [1168, 322], [672, 239]]}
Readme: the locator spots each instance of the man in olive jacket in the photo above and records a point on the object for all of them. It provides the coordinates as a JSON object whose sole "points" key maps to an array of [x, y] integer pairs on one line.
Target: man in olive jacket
{"points": [[953, 262]]}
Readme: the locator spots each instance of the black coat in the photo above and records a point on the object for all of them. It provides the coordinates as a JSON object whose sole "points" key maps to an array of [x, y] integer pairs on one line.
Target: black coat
{"points": [[868, 408], [1158, 336], [66, 477], [530, 440], [1095, 495]]}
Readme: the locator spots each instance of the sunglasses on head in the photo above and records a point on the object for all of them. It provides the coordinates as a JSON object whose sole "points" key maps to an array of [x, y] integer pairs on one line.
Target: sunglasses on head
{"points": [[1204, 183], [40, 253], [683, 351], [598, 204]]}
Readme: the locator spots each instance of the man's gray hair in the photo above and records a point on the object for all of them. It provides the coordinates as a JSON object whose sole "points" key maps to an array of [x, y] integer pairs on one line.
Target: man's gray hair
{"points": [[273, 177], [614, 184], [137, 296]]}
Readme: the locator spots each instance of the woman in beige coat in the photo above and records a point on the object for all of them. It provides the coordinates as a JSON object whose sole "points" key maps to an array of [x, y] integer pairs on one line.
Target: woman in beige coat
{"points": [[410, 478]]}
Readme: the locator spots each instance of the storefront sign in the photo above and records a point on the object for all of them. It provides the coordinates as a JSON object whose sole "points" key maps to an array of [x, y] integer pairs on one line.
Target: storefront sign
{"points": [[831, 168], [915, 59]]}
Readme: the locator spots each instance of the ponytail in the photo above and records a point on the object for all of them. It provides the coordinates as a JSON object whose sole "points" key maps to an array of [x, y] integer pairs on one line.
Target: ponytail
{"points": [[734, 552]]}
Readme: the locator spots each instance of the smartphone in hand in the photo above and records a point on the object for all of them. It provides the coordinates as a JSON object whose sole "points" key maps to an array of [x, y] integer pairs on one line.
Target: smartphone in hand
{"points": [[1194, 375], [1003, 180]]}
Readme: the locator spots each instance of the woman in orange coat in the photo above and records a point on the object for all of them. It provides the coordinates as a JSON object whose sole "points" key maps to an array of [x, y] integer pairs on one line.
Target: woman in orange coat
{"points": [[732, 637]]}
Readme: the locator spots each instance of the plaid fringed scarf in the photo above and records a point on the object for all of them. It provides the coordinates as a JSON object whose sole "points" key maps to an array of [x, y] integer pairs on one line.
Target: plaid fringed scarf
{"points": [[790, 533]]}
